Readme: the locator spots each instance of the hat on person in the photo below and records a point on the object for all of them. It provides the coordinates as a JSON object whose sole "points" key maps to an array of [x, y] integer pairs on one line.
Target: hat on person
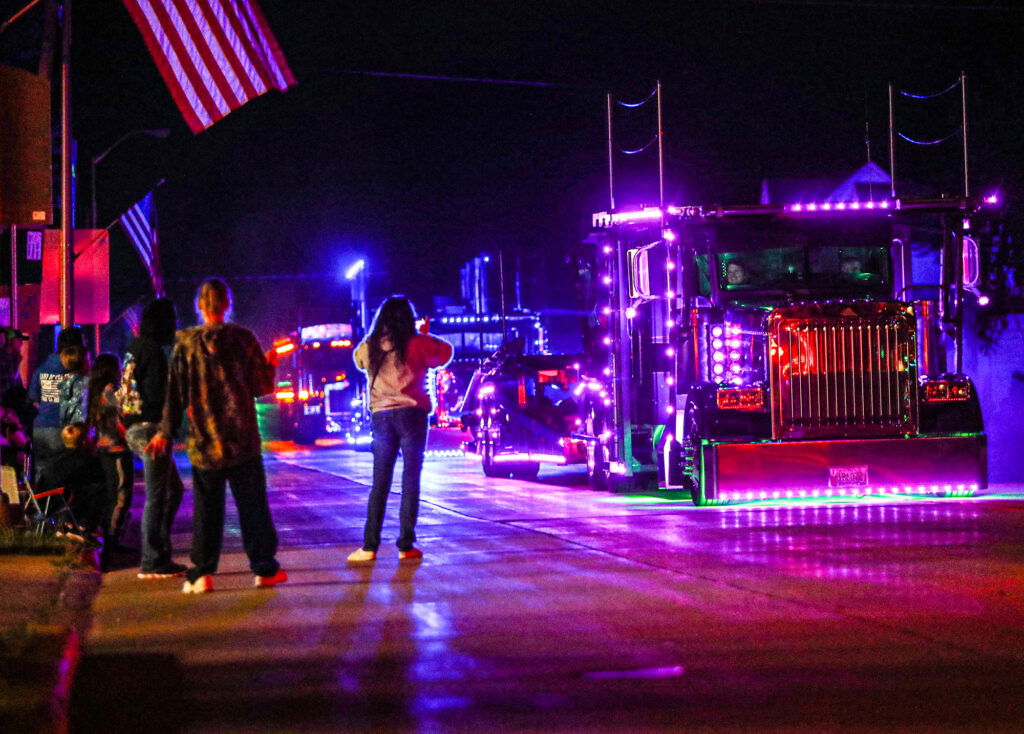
{"points": [[11, 333], [70, 337]]}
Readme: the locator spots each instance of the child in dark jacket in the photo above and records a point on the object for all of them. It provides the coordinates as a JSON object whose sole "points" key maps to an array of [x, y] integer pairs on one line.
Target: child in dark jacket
{"points": [[77, 469], [104, 417]]}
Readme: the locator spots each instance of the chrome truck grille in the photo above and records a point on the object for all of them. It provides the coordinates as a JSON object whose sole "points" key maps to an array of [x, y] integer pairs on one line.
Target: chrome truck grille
{"points": [[843, 370]]}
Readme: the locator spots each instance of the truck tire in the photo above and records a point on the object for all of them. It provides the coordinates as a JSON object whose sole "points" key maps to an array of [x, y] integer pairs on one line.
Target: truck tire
{"points": [[525, 470], [491, 469]]}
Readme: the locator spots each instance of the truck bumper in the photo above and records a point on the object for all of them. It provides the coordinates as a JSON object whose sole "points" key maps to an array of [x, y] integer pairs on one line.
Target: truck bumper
{"points": [[934, 466]]}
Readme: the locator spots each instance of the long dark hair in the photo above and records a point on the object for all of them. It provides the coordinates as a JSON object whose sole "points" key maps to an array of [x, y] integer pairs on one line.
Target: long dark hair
{"points": [[395, 321], [159, 321], [106, 370]]}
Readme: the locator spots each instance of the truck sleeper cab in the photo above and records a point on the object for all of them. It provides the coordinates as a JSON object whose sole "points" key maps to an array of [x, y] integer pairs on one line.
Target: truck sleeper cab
{"points": [[769, 353]]}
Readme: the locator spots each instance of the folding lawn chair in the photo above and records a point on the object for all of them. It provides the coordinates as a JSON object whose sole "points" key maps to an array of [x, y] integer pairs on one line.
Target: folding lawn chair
{"points": [[48, 512]]}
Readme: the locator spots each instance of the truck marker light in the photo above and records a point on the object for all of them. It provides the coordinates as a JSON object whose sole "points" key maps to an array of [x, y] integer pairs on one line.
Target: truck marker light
{"points": [[716, 331], [992, 199], [606, 310], [670, 324], [841, 206], [984, 300], [607, 401], [303, 394], [670, 294], [607, 250], [285, 395], [670, 265], [670, 380], [285, 348], [717, 344], [719, 369], [671, 352], [607, 371], [607, 340], [668, 235], [630, 312], [607, 280]]}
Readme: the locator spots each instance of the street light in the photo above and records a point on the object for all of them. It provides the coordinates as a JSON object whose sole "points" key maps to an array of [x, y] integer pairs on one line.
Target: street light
{"points": [[158, 133]]}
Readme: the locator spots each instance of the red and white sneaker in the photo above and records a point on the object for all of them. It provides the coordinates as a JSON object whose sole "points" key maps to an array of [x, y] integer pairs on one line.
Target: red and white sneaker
{"points": [[202, 585], [413, 554], [265, 582], [362, 556]]}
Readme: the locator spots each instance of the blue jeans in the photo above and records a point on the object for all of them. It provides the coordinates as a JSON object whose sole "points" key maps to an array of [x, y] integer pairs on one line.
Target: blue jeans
{"points": [[163, 497], [248, 483], [405, 429]]}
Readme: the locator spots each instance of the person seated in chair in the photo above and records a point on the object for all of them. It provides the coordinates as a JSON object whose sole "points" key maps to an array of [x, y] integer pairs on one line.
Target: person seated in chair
{"points": [[77, 469]]}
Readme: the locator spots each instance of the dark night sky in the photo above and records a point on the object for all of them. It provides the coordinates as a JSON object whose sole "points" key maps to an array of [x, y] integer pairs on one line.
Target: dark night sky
{"points": [[419, 175]]}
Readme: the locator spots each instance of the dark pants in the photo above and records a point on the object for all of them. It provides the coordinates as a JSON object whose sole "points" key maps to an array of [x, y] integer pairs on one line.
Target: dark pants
{"points": [[119, 470], [405, 429], [248, 484], [163, 497]]}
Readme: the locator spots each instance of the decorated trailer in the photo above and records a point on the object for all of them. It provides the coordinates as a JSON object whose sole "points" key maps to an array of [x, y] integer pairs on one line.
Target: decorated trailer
{"points": [[770, 352]]}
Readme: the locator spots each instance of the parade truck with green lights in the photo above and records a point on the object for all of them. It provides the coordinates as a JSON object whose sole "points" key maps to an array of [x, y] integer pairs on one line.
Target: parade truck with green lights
{"points": [[772, 352], [320, 392]]}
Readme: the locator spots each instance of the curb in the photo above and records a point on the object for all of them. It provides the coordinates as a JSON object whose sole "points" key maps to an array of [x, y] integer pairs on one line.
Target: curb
{"points": [[76, 599]]}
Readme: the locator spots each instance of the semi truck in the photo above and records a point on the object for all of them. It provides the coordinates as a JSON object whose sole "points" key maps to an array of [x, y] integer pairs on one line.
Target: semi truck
{"points": [[320, 391], [781, 351]]}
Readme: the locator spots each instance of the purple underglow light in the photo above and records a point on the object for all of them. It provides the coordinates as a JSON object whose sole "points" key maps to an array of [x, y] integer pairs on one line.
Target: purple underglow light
{"points": [[984, 300]]}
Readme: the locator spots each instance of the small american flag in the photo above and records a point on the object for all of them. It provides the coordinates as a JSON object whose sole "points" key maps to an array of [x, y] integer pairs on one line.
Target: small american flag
{"points": [[140, 224], [214, 55]]}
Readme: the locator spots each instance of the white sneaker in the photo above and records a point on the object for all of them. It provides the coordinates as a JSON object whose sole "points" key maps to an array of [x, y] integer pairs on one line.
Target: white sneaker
{"points": [[362, 556], [202, 585]]}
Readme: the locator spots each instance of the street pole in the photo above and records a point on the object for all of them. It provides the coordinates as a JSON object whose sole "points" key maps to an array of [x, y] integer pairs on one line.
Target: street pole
{"points": [[67, 233], [14, 276]]}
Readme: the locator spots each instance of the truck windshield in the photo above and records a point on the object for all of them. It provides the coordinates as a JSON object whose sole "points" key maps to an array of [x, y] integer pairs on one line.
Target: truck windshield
{"points": [[801, 257]]}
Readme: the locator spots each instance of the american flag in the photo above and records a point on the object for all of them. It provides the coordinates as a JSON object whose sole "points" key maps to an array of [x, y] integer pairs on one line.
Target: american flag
{"points": [[214, 55], [140, 224]]}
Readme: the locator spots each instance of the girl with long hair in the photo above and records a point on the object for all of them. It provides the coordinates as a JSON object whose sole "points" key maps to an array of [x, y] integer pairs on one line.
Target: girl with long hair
{"points": [[396, 359], [103, 415]]}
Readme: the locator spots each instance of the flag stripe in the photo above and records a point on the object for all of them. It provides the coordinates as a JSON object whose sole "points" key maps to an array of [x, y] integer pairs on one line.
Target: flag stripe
{"points": [[166, 62], [216, 106], [273, 57], [217, 71], [247, 77], [244, 46], [214, 55], [139, 223]]}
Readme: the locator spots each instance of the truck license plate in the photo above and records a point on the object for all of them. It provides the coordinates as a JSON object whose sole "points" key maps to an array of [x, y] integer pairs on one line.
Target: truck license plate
{"points": [[847, 476]]}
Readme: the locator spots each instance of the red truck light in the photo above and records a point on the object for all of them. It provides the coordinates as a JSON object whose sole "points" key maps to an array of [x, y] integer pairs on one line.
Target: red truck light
{"points": [[284, 348], [745, 398], [285, 396], [940, 391]]}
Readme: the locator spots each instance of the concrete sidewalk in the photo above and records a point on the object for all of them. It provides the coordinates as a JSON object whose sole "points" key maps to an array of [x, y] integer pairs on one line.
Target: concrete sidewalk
{"points": [[545, 607]]}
